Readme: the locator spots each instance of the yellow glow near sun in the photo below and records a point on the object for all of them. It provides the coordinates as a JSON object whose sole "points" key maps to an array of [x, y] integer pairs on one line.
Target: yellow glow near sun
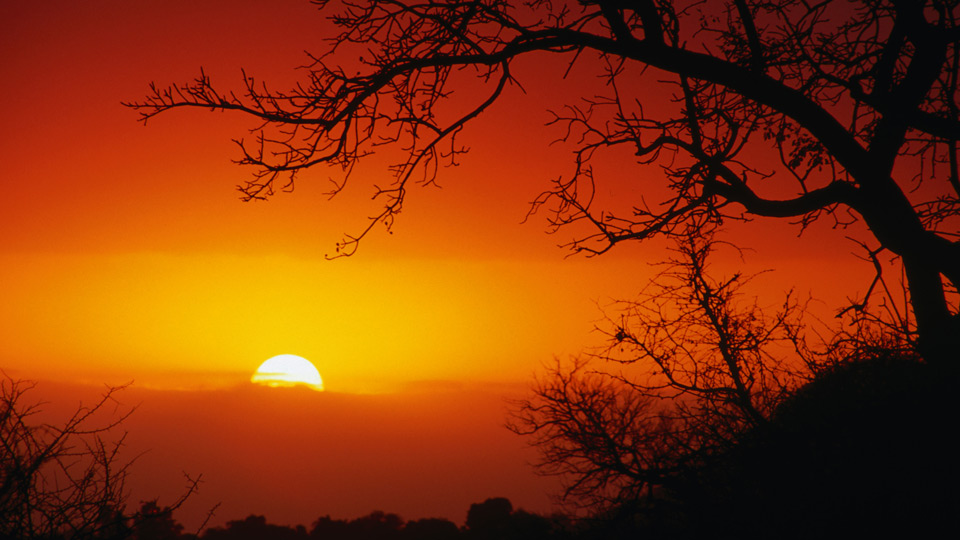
{"points": [[288, 370]]}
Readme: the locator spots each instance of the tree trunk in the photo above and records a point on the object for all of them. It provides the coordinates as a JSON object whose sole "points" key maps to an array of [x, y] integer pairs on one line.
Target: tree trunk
{"points": [[938, 331]]}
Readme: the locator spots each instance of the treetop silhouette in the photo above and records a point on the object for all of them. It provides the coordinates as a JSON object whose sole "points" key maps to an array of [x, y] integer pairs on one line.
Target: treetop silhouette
{"points": [[836, 110]]}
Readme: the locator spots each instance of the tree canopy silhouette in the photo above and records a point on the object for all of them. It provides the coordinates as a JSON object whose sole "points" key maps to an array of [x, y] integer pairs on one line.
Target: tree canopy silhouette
{"points": [[835, 110]]}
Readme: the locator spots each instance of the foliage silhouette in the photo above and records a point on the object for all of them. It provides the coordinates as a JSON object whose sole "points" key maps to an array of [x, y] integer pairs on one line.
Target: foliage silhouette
{"points": [[837, 110]]}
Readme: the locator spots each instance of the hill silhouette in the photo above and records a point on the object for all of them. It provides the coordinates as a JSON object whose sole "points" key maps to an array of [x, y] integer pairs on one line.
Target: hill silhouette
{"points": [[862, 451]]}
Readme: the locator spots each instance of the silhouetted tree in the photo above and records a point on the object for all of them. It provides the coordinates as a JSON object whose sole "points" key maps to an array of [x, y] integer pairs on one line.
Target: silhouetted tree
{"points": [[692, 365], [59, 480], [66, 479], [840, 110], [722, 432], [62, 479]]}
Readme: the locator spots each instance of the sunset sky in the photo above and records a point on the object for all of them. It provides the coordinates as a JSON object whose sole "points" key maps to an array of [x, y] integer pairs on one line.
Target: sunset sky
{"points": [[126, 255]]}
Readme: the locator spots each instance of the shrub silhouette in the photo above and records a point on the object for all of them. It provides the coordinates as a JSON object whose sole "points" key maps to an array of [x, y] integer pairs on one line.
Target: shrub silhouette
{"points": [[254, 527], [431, 529], [495, 518], [156, 523]]}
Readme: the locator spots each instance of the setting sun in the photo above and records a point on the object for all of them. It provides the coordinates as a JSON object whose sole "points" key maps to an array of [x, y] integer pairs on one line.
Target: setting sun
{"points": [[288, 370]]}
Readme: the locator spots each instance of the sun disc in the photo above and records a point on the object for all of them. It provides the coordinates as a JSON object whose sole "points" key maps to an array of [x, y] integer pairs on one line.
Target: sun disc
{"points": [[288, 370]]}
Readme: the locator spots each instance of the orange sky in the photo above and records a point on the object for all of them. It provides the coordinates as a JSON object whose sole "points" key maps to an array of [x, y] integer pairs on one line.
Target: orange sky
{"points": [[126, 255]]}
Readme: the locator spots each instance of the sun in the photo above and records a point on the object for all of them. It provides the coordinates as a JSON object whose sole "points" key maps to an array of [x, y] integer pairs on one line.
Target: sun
{"points": [[288, 370]]}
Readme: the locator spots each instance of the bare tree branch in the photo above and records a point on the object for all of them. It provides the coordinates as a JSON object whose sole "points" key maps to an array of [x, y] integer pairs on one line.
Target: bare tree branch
{"points": [[858, 100]]}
